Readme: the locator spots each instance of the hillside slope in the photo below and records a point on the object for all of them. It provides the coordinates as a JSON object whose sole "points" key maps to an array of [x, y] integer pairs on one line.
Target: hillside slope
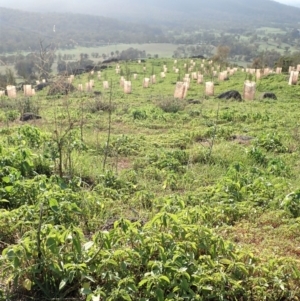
{"points": [[178, 12], [139, 22], [214, 12], [22, 30]]}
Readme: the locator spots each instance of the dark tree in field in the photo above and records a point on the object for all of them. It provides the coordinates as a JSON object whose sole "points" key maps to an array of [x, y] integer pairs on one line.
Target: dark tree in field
{"points": [[222, 54], [7, 79], [10, 77], [26, 68], [131, 54], [285, 62], [257, 63], [44, 60]]}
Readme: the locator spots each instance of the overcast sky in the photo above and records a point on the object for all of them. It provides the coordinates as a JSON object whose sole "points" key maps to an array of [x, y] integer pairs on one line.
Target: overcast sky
{"points": [[290, 2], [108, 6]]}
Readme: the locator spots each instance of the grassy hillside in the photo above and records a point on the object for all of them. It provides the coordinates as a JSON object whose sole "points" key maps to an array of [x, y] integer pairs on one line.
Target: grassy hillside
{"points": [[142, 197]]}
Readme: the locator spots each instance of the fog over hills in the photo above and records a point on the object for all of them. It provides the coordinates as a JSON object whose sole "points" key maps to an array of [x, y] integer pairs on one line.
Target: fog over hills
{"points": [[110, 7], [169, 11], [95, 22]]}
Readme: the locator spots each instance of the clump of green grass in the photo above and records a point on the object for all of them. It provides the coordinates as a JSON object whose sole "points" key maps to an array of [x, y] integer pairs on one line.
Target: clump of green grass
{"points": [[97, 105]]}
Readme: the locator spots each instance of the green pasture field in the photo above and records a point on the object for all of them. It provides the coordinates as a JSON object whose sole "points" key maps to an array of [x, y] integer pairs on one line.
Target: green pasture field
{"points": [[273, 46], [162, 49], [271, 30], [113, 196]]}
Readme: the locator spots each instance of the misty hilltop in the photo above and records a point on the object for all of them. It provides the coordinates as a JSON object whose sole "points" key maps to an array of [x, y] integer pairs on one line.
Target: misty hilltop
{"points": [[23, 30], [154, 22], [174, 12], [260, 12]]}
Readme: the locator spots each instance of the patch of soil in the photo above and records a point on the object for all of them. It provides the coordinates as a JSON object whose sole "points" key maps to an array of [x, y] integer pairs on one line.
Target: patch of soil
{"points": [[263, 241], [240, 139], [124, 163]]}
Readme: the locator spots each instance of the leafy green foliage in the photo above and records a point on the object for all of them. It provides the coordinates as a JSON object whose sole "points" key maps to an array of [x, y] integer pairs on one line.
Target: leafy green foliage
{"points": [[291, 203], [190, 206], [271, 142]]}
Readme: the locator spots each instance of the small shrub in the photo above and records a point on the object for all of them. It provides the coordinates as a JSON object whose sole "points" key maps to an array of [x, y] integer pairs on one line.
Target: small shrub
{"points": [[291, 203], [139, 114], [194, 113], [12, 115], [27, 105], [258, 156], [220, 132], [123, 145], [271, 142], [61, 88], [171, 105], [98, 105], [7, 104], [42, 166], [172, 161], [228, 116], [278, 168]]}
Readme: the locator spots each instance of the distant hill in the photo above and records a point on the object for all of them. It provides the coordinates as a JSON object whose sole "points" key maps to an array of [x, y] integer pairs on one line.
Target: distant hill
{"points": [[213, 12], [20, 30], [175, 12], [139, 22]]}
